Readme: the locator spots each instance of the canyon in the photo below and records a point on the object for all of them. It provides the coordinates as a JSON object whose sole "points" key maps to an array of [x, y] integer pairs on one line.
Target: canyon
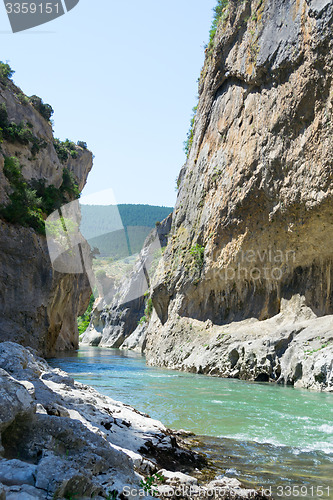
{"points": [[242, 287]]}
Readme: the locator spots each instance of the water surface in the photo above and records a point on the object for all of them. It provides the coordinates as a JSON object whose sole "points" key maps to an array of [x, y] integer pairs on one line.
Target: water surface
{"points": [[275, 435]]}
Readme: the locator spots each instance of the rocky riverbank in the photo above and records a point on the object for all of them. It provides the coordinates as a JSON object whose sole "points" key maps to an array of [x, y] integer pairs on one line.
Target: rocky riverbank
{"points": [[295, 347], [61, 439]]}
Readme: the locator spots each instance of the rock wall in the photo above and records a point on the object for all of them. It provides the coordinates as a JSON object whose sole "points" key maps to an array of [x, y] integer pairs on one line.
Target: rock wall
{"points": [[38, 306], [293, 348], [253, 220]]}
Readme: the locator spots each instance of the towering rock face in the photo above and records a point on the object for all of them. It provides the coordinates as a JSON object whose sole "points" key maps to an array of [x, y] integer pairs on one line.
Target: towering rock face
{"points": [[38, 306], [253, 221]]}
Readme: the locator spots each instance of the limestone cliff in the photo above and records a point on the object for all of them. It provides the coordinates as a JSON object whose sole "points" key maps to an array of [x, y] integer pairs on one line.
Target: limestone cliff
{"points": [[252, 225], [38, 306]]}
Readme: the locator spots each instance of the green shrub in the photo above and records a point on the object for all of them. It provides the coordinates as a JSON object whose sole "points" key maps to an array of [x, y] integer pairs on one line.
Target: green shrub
{"points": [[37, 145], [142, 320], [189, 140], [23, 98], [149, 309], [64, 149], [3, 115], [52, 198], [151, 482], [20, 133], [82, 144], [30, 202], [12, 170], [24, 205], [112, 495], [219, 10], [6, 72], [84, 320], [43, 109], [69, 185], [198, 252]]}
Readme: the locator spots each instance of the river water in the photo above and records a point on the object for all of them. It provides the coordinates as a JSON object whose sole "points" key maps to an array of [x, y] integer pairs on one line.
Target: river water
{"points": [[263, 434]]}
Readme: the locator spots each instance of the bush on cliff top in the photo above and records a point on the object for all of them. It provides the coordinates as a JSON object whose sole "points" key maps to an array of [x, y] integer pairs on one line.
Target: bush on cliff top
{"points": [[218, 13], [6, 72], [45, 110], [64, 149]]}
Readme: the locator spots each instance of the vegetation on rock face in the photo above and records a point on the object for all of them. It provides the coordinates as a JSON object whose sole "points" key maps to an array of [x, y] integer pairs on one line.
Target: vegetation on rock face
{"points": [[84, 320], [198, 252], [82, 144], [30, 202], [52, 197], [6, 72], [148, 310], [25, 205], [151, 482], [43, 109], [65, 149], [21, 133], [219, 11], [189, 140]]}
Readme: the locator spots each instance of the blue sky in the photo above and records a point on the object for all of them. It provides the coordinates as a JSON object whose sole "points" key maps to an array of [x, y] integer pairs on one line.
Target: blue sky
{"points": [[121, 76]]}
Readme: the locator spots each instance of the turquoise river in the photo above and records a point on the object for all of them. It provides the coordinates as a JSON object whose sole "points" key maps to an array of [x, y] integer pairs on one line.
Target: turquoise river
{"points": [[263, 434]]}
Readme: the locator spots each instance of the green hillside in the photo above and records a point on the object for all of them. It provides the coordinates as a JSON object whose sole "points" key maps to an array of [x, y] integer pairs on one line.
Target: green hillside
{"points": [[101, 219], [119, 230], [122, 243]]}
